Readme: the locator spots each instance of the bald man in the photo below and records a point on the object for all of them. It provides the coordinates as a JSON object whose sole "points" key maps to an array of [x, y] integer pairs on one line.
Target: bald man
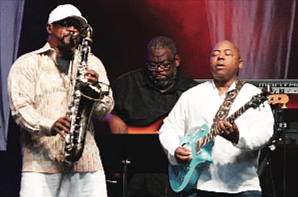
{"points": [[234, 145]]}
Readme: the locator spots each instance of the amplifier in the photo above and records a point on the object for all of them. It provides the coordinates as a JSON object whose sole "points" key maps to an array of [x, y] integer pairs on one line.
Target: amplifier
{"points": [[286, 119], [286, 122], [279, 86]]}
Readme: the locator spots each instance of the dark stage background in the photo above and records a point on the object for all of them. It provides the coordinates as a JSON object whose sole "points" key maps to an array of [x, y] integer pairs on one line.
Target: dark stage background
{"points": [[122, 30]]}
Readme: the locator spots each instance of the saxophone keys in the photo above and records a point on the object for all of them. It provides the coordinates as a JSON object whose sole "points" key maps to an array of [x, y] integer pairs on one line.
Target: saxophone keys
{"points": [[67, 138], [77, 94]]}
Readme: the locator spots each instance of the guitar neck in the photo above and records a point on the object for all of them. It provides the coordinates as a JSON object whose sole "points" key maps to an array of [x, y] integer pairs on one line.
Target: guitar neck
{"points": [[238, 113]]}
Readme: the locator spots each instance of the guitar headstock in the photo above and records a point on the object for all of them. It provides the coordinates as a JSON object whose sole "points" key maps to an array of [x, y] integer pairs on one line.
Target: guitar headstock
{"points": [[258, 99], [278, 99]]}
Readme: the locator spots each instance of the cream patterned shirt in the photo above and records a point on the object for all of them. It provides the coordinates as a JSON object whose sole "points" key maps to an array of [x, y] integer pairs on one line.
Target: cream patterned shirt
{"points": [[39, 94]]}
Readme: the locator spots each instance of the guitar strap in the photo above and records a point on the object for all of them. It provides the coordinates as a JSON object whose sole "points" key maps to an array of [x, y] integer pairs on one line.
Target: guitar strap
{"points": [[227, 103], [221, 114]]}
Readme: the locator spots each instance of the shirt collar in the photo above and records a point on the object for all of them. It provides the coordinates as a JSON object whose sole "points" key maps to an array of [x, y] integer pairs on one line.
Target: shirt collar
{"points": [[232, 87], [46, 48]]}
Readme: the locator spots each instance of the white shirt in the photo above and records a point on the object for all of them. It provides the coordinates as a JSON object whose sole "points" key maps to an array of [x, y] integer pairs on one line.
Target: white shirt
{"points": [[40, 94], [234, 168]]}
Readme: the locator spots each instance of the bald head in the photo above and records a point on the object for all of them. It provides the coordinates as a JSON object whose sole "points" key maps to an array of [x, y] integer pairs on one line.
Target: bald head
{"points": [[229, 45]]}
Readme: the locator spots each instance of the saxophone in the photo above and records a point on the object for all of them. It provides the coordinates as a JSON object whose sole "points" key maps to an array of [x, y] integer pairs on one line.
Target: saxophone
{"points": [[83, 95]]}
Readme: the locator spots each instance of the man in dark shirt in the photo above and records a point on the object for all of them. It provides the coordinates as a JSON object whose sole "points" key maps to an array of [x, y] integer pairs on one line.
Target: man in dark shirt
{"points": [[143, 98], [140, 102]]}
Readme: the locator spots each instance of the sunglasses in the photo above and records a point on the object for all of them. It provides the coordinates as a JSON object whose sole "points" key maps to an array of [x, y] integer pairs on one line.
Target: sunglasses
{"points": [[69, 22]]}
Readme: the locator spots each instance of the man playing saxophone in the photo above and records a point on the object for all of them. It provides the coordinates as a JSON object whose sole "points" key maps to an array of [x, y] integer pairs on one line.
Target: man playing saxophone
{"points": [[40, 85]]}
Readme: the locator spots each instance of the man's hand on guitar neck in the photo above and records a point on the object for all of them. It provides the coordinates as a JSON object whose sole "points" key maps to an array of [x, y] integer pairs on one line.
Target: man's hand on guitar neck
{"points": [[183, 155], [228, 131]]}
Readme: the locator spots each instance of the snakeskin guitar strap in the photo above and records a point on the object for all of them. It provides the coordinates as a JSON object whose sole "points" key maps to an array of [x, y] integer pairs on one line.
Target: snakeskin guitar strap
{"points": [[227, 103], [221, 114]]}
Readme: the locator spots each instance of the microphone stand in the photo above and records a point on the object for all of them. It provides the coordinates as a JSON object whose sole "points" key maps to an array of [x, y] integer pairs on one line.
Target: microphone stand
{"points": [[281, 132], [125, 163]]}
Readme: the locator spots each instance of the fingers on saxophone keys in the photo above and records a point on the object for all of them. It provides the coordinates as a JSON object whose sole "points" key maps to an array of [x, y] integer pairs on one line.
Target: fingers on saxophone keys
{"points": [[62, 133]]}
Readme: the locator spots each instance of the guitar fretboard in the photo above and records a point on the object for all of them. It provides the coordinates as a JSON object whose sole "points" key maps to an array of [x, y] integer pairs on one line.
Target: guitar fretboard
{"points": [[238, 113]]}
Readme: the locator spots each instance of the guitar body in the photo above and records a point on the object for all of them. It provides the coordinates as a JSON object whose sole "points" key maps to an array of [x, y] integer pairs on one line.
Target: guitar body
{"points": [[184, 177]]}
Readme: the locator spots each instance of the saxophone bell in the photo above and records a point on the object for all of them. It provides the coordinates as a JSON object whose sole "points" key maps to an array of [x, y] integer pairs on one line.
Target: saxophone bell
{"points": [[95, 91]]}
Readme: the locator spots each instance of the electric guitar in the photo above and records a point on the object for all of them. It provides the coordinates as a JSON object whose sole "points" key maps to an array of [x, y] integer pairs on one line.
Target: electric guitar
{"points": [[151, 129], [183, 177]]}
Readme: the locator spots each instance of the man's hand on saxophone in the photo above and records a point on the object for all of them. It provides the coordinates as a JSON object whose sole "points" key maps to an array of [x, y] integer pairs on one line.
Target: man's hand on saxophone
{"points": [[91, 75], [61, 126]]}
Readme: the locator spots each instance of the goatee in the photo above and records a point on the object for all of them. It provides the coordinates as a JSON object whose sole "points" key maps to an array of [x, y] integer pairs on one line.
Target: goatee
{"points": [[165, 83]]}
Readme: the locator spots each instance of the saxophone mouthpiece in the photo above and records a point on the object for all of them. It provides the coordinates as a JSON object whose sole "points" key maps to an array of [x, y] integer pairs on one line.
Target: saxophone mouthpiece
{"points": [[73, 35]]}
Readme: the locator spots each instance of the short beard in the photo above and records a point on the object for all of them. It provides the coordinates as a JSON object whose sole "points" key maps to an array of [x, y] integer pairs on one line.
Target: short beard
{"points": [[71, 43], [68, 47], [164, 84]]}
